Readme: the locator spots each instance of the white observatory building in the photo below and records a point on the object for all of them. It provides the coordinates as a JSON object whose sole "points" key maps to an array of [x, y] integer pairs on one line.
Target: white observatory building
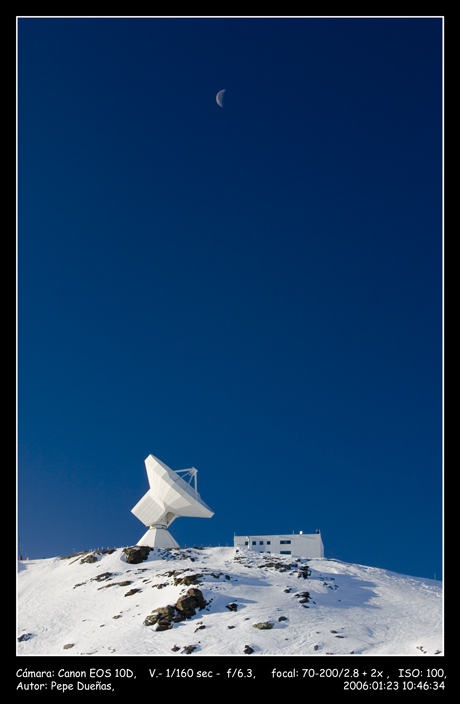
{"points": [[299, 544], [169, 497]]}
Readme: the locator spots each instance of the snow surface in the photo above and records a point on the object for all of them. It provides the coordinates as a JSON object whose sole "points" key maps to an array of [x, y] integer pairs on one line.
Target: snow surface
{"points": [[351, 608]]}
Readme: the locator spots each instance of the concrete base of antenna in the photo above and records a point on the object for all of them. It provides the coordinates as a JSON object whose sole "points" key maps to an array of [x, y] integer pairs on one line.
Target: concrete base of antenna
{"points": [[158, 538]]}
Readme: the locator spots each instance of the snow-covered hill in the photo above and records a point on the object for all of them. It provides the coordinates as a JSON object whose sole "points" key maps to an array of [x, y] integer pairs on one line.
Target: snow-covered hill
{"points": [[258, 604]]}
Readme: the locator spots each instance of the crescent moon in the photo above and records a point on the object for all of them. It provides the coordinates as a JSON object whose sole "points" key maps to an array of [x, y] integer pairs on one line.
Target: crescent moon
{"points": [[220, 97]]}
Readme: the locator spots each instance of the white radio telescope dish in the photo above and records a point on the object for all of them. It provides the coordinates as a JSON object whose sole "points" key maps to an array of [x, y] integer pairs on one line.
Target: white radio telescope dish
{"points": [[169, 497]]}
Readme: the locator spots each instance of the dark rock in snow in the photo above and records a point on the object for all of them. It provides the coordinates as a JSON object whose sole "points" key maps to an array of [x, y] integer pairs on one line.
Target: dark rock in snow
{"points": [[152, 619], [132, 591], [136, 554], [181, 616], [281, 566], [25, 636], [167, 611], [163, 612], [88, 559], [189, 649], [184, 608], [75, 554], [303, 597], [164, 624], [115, 584], [198, 596], [187, 604], [188, 579], [102, 577]]}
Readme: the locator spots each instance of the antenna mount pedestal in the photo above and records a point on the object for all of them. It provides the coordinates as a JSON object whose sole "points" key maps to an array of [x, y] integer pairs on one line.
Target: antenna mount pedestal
{"points": [[158, 537]]}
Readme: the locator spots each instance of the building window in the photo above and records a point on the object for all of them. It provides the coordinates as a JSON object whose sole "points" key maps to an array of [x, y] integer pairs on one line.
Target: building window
{"points": [[285, 542], [285, 552], [268, 542], [261, 542], [254, 542], [246, 542]]}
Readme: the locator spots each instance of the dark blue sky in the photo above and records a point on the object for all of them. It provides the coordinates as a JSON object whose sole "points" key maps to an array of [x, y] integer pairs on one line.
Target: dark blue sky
{"points": [[253, 290]]}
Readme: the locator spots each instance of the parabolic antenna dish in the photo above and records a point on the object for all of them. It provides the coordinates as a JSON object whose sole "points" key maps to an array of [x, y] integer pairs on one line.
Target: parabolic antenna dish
{"points": [[169, 497]]}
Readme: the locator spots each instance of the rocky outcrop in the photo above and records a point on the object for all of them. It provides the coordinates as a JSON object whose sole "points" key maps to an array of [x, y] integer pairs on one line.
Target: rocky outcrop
{"points": [[152, 619], [303, 597], [88, 559], [136, 554], [132, 591], [166, 611], [281, 566], [75, 554], [160, 616], [265, 626], [102, 577], [189, 649], [184, 608], [90, 556], [163, 625], [188, 579], [301, 570], [188, 603]]}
